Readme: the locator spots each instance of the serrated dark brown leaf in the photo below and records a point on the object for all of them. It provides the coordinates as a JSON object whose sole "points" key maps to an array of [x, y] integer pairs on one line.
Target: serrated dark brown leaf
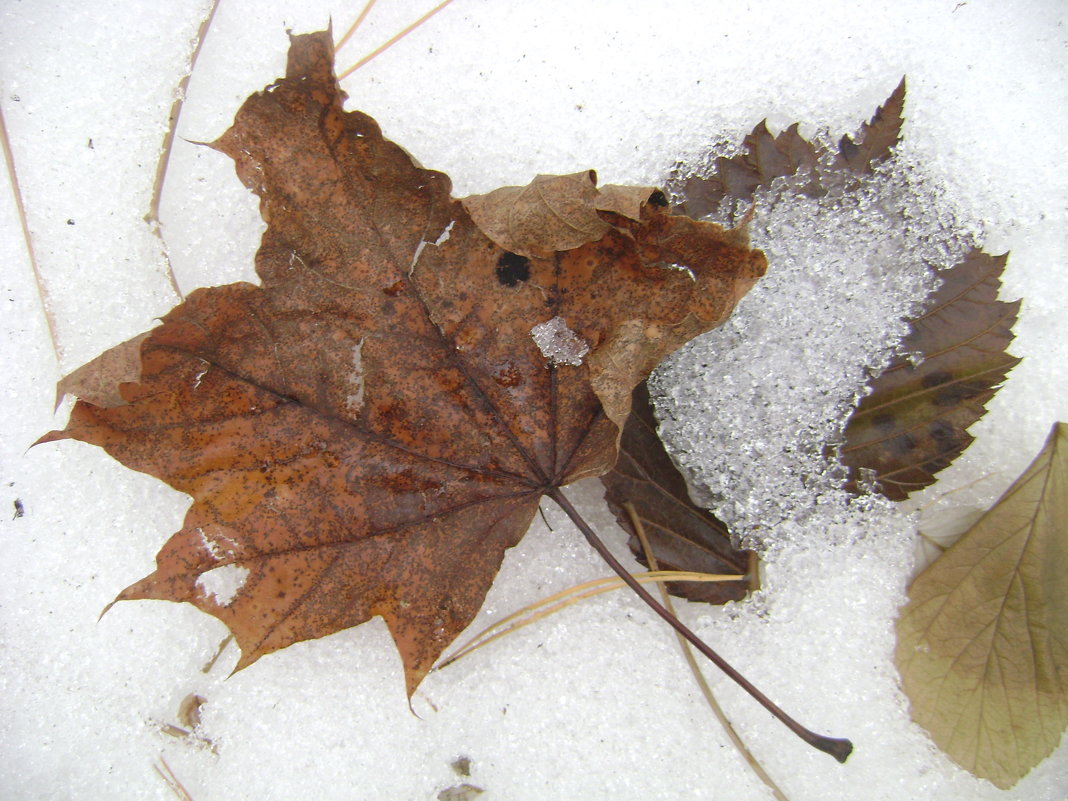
{"points": [[682, 535], [765, 157], [877, 138], [371, 428], [914, 423]]}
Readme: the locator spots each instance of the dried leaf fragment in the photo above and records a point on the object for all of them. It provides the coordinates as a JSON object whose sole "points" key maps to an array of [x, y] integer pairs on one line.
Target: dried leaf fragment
{"points": [[983, 641], [189, 710], [914, 423], [461, 792]]}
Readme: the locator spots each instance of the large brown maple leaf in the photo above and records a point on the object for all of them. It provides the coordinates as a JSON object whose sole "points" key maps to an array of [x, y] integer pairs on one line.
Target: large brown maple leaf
{"points": [[369, 430]]}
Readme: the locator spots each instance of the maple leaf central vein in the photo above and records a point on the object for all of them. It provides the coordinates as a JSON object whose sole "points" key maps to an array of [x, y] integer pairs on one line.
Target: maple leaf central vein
{"points": [[336, 420]]}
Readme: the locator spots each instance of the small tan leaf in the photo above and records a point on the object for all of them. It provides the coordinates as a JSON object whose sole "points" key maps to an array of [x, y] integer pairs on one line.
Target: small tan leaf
{"points": [[983, 641], [628, 200], [97, 382], [553, 212]]}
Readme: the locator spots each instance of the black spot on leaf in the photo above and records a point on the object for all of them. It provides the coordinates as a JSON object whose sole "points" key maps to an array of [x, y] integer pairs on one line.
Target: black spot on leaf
{"points": [[513, 268]]}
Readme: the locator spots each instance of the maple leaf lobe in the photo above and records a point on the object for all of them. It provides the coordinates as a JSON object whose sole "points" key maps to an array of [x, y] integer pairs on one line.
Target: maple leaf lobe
{"points": [[368, 431]]}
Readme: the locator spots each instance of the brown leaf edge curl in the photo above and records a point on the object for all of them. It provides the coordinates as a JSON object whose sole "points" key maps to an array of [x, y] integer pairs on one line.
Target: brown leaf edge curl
{"points": [[368, 431], [765, 157], [983, 640], [914, 421], [682, 536], [553, 212]]}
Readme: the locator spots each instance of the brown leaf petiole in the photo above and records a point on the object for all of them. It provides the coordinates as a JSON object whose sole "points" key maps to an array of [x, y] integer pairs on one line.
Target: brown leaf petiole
{"points": [[840, 749]]}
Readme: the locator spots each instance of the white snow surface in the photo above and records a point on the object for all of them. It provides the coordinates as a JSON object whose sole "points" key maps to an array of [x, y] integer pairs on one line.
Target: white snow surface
{"points": [[595, 702]]}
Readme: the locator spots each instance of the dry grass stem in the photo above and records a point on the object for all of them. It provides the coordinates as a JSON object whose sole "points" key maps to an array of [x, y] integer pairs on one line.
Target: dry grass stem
{"points": [[42, 295], [692, 662], [171, 780], [382, 48], [152, 218], [354, 26], [561, 600]]}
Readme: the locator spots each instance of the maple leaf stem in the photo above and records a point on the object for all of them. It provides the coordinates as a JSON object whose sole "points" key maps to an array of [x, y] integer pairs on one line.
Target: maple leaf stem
{"points": [[840, 749]]}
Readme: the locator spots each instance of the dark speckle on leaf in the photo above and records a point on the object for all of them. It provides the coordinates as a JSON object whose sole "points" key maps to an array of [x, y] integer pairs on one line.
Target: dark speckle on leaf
{"points": [[884, 420], [936, 379], [903, 444]]}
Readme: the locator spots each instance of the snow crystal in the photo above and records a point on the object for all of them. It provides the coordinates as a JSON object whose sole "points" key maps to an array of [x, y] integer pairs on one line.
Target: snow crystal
{"points": [[442, 238], [445, 234], [219, 546], [203, 371], [415, 256], [558, 343], [223, 583], [844, 271]]}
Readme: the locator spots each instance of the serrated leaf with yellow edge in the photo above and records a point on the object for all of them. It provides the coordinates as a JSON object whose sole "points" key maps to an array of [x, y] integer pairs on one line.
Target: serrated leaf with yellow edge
{"points": [[982, 645]]}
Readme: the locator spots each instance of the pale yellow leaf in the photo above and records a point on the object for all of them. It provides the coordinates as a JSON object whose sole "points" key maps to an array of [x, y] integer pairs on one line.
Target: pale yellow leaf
{"points": [[983, 641]]}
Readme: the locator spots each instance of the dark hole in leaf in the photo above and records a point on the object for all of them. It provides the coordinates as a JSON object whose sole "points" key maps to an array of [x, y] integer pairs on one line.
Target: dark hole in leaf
{"points": [[513, 268]]}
